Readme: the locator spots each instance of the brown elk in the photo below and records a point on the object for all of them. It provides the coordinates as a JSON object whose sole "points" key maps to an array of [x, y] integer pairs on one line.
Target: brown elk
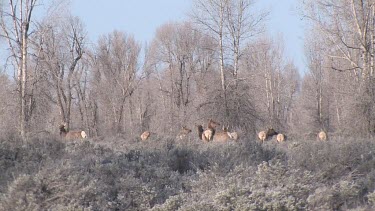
{"points": [[78, 134], [222, 136], [204, 134], [280, 137], [207, 135], [212, 124], [263, 135], [225, 135], [322, 136], [184, 132], [145, 135], [210, 132]]}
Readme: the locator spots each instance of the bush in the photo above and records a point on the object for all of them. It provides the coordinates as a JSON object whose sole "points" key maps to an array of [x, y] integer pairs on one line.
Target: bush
{"points": [[164, 174], [24, 193]]}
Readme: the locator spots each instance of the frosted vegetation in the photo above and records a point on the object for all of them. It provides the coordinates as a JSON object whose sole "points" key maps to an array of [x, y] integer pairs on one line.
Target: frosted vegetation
{"points": [[219, 63], [165, 174]]}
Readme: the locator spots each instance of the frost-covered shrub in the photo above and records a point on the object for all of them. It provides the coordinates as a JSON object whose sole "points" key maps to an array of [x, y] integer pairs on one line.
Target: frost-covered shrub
{"points": [[272, 186], [24, 193], [342, 195], [335, 158], [171, 204], [371, 198], [321, 199], [165, 174], [276, 186], [345, 194]]}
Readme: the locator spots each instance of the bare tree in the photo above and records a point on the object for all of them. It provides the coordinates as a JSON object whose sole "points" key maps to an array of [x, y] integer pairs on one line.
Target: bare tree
{"points": [[83, 100], [211, 15], [180, 64], [347, 29], [232, 24], [115, 76], [264, 61], [347, 25], [16, 28], [318, 75], [242, 24], [290, 86], [63, 48]]}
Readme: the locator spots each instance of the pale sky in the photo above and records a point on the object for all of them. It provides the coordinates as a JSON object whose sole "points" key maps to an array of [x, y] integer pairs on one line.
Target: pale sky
{"points": [[142, 17]]}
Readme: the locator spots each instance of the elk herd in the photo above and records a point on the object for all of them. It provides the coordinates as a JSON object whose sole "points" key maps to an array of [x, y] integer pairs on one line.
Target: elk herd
{"points": [[209, 134], [212, 134], [280, 137]]}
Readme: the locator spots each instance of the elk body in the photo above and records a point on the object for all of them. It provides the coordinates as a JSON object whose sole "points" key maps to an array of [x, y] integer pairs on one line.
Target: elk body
{"points": [[204, 135], [322, 136], [263, 135], [208, 135], [280, 137], [78, 134], [145, 135], [225, 135], [210, 132]]}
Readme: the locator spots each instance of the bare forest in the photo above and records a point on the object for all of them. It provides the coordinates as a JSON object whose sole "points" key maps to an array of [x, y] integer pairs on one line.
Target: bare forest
{"points": [[209, 115]]}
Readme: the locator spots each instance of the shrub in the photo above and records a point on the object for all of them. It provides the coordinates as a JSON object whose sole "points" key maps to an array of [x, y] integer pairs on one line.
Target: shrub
{"points": [[371, 198], [164, 174], [24, 193]]}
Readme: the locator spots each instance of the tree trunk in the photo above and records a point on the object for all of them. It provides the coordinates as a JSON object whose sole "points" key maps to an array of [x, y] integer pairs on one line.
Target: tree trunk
{"points": [[23, 87], [235, 65], [222, 73]]}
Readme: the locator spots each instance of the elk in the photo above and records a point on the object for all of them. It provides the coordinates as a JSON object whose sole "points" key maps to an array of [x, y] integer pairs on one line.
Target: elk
{"points": [[78, 134], [204, 134], [212, 124], [322, 136], [233, 135], [280, 137], [184, 132], [225, 135], [210, 132], [145, 135], [200, 131], [263, 135]]}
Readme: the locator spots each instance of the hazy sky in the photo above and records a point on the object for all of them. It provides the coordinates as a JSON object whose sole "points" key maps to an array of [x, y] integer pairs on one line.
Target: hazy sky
{"points": [[142, 17]]}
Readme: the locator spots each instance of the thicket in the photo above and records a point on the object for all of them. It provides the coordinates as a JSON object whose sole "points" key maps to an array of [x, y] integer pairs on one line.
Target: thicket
{"points": [[48, 173]]}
